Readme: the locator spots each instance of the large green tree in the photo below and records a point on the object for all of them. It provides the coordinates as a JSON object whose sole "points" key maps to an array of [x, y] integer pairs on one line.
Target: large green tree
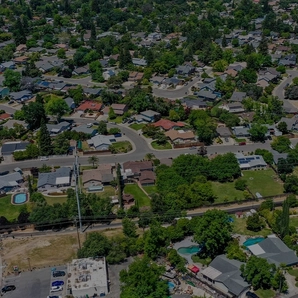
{"points": [[44, 140], [57, 107], [12, 79], [213, 232]]}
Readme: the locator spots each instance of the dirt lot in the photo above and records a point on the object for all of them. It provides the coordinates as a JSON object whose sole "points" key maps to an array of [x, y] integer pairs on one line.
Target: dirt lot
{"points": [[42, 251]]}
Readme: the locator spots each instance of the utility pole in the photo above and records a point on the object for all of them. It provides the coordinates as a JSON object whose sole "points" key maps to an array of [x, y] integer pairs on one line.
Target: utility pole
{"points": [[77, 173], [79, 241]]}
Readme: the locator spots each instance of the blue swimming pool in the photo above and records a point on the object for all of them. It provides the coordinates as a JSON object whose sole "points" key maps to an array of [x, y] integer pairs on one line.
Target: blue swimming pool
{"points": [[171, 286], [19, 198], [253, 241], [189, 250]]}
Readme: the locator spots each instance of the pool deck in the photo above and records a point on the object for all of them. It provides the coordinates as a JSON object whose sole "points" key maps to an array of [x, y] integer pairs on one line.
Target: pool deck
{"points": [[187, 242]]}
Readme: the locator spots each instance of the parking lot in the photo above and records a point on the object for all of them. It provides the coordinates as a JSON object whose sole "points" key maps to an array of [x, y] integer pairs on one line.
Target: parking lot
{"points": [[35, 284]]}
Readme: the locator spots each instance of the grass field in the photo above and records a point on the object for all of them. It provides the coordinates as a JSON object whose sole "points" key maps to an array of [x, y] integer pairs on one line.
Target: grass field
{"points": [[293, 272], [265, 182], [294, 221], [55, 200], [239, 227], [150, 189], [166, 146], [137, 126], [265, 293], [226, 192], [8, 210], [118, 119], [124, 146], [138, 194]]}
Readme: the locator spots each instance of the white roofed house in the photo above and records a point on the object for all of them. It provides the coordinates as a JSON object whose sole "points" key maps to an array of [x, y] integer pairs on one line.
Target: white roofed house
{"points": [[53, 180]]}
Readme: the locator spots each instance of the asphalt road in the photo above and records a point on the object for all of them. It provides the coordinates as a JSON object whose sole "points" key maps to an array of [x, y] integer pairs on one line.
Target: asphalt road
{"points": [[279, 90], [175, 94]]}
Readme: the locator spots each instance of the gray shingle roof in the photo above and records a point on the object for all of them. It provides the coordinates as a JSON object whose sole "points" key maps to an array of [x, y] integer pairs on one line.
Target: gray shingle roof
{"points": [[50, 178]]}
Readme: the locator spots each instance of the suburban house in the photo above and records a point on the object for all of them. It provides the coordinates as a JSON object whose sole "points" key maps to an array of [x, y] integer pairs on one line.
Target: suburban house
{"points": [[185, 70], [241, 131], [238, 96], [225, 275], [108, 74], [157, 80], [180, 136], [250, 162], [7, 65], [165, 124], [5, 116], [85, 129], [9, 148], [10, 181], [134, 169], [172, 82], [292, 123], [55, 129], [90, 106], [101, 142], [70, 102], [277, 156], [147, 178], [289, 60], [148, 116], [13, 123], [92, 91], [139, 62], [20, 60], [53, 180], [119, 108], [21, 95], [194, 104], [233, 107], [81, 70], [223, 132], [135, 76], [101, 176], [4, 91], [274, 251], [206, 95]]}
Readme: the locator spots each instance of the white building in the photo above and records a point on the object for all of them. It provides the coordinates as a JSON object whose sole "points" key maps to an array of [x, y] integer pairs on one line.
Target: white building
{"points": [[87, 277]]}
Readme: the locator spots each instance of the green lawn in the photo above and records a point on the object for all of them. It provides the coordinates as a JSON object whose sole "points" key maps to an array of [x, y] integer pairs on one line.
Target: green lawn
{"points": [[239, 227], [265, 293], [140, 197], [293, 272], [55, 200], [150, 189], [49, 97], [8, 210], [166, 146], [294, 221], [137, 126], [226, 192], [118, 119], [124, 146], [266, 182]]}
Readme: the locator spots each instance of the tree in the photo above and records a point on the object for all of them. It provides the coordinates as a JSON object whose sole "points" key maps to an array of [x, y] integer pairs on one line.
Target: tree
{"points": [[33, 113], [248, 75], [44, 141], [241, 184], [112, 114], [281, 144], [255, 223], [284, 220], [291, 184], [93, 160], [257, 132], [224, 42], [234, 251], [30, 188], [142, 279], [12, 79], [267, 155], [213, 231], [258, 272], [102, 128], [282, 127], [61, 54], [129, 228], [57, 107]]}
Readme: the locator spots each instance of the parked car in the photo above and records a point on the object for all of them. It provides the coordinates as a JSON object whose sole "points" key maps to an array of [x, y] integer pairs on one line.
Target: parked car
{"points": [[11, 102], [44, 158], [58, 273], [242, 143], [8, 288], [95, 123], [118, 135], [57, 283], [192, 147], [251, 295], [89, 125], [56, 289], [54, 296]]}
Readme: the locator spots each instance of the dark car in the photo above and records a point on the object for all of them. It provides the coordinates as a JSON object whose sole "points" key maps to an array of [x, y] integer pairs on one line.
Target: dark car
{"points": [[58, 273], [242, 143], [251, 295], [8, 288], [57, 283]]}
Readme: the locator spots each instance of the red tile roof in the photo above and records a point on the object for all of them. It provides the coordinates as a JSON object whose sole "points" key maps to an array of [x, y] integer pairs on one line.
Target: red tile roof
{"points": [[4, 116], [167, 124], [90, 105]]}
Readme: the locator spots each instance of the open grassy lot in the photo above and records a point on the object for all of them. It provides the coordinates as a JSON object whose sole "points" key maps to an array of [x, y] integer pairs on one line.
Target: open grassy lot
{"points": [[123, 146], [150, 189], [226, 192], [137, 126], [166, 146], [265, 293], [54, 200], [118, 119], [239, 227], [8, 210], [138, 194], [265, 182]]}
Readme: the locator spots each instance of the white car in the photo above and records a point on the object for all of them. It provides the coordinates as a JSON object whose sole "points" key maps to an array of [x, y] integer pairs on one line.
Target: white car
{"points": [[56, 289], [89, 125], [43, 158]]}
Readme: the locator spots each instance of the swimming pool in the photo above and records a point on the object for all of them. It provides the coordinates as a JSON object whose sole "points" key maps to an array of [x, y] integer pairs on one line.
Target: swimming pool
{"points": [[189, 250], [20, 198], [253, 241], [171, 286]]}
